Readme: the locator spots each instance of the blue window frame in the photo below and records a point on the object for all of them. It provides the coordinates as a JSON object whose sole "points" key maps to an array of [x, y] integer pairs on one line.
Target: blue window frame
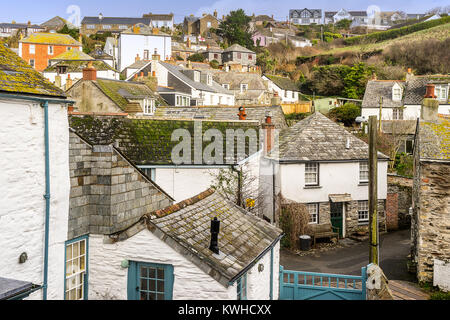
{"points": [[150, 281], [76, 268], [242, 288]]}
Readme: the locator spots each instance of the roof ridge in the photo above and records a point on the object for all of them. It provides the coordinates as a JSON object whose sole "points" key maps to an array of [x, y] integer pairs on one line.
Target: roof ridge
{"points": [[181, 205]]}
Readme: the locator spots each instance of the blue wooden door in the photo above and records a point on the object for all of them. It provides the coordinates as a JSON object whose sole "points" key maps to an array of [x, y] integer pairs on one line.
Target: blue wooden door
{"points": [[149, 281], [298, 285]]}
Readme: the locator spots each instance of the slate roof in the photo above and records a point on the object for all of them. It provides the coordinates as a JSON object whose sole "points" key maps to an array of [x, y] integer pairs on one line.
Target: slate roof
{"points": [[178, 72], [20, 26], [115, 20], [191, 19], [235, 79], [143, 29], [79, 65], [312, 11], [149, 141], [51, 38], [376, 89], [57, 22], [416, 88], [121, 92], [73, 54], [434, 140], [10, 287], [283, 83], [222, 113], [318, 138], [16, 76], [242, 239], [263, 17], [237, 48]]}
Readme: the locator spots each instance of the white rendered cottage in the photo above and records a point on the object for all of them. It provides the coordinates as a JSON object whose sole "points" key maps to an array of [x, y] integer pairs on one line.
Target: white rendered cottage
{"points": [[322, 165], [141, 42], [35, 184], [286, 89]]}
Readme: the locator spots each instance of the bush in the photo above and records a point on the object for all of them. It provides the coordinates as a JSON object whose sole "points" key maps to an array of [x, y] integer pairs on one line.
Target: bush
{"points": [[346, 114], [294, 221], [214, 64], [197, 57], [404, 165], [395, 33]]}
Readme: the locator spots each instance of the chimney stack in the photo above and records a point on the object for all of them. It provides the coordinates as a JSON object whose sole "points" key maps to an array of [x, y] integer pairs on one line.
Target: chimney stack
{"points": [[156, 56], [409, 75], [215, 14], [430, 105], [276, 100], [137, 58], [269, 129], [90, 73], [215, 230], [242, 115], [69, 82]]}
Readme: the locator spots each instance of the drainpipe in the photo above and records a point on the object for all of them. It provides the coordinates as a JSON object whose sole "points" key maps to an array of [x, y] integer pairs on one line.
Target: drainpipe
{"points": [[47, 198]]}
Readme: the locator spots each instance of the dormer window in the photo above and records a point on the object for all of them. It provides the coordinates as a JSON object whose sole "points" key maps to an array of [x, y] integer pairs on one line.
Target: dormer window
{"points": [[244, 87], [226, 86], [441, 92], [196, 76], [396, 93]]}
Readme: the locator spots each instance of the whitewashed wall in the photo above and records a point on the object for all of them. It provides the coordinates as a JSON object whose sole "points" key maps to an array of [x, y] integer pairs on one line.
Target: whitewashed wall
{"points": [[281, 92], [441, 276], [22, 212], [132, 44], [108, 280], [182, 184], [410, 112], [335, 178], [75, 76]]}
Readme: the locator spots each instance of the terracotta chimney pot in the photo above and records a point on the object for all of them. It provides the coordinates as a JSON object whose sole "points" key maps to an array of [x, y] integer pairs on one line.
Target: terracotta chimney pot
{"points": [[430, 91]]}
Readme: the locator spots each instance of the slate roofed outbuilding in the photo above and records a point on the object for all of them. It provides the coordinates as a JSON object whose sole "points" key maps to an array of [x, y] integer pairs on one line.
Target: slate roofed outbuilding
{"points": [[16, 76], [243, 238], [50, 38], [381, 88], [283, 83], [149, 141], [320, 139]]}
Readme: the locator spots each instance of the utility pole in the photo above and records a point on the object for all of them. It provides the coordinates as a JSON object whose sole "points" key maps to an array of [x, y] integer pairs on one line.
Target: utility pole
{"points": [[381, 113], [374, 254]]}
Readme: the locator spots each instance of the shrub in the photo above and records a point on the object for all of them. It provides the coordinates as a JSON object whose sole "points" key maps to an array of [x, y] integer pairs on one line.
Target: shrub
{"points": [[214, 64], [346, 113], [294, 221], [197, 57]]}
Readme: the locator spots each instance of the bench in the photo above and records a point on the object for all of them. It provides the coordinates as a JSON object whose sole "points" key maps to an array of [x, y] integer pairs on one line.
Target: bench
{"points": [[326, 230]]}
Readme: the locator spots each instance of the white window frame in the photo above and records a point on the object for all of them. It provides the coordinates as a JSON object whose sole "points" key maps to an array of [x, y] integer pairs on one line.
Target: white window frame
{"points": [[397, 114], [32, 49], [244, 85], [90, 26], [442, 92], [226, 86], [209, 80], [363, 172], [313, 210], [76, 268], [196, 76], [106, 27], [149, 107], [363, 212], [123, 27], [396, 94], [312, 169]]}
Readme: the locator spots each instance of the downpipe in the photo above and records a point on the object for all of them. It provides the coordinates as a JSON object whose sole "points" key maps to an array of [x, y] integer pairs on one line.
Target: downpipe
{"points": [[47, 198]]}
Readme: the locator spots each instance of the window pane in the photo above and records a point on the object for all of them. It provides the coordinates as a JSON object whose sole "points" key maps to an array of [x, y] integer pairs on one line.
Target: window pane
{"points": [[160, 286], [160, 273], [152, 285], [144, 296], [160, 296], [144, 284], [152, 296], [144, 272], [76, 251], [152, 273], [69, 252]]}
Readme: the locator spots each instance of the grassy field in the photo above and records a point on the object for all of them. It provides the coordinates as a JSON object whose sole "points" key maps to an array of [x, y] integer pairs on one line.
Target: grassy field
{"points": [[439, 32]]}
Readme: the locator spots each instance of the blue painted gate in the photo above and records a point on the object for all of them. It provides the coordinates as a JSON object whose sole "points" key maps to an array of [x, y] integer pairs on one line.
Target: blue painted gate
{"points": [[298, 285]]}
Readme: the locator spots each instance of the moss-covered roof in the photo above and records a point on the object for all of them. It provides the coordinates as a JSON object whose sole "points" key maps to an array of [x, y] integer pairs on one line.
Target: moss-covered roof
{"points": [[16, 76], [51, 38], [435, 139], [73, 54], [283, 83], [121, 92], [79, 65], [149, 141]]}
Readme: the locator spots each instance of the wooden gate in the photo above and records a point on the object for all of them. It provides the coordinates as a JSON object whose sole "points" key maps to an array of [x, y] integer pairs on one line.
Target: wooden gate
{"points": [[298, 285]]}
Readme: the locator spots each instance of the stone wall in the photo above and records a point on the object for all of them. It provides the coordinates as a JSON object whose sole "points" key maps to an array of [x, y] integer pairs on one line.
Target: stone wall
{"points": [[398, 203], [108, 194], [433, 217], [352, 224]]}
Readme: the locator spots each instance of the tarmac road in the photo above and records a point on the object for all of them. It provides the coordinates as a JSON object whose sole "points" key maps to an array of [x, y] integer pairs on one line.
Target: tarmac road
{"points": [[394, 248]]}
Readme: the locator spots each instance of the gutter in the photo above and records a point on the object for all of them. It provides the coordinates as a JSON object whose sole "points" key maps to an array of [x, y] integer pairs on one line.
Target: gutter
{"points": [[44, 103]]}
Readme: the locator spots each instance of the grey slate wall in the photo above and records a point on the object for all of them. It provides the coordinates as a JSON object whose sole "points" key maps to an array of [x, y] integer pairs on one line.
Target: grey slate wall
{"points": [[107, 193]]}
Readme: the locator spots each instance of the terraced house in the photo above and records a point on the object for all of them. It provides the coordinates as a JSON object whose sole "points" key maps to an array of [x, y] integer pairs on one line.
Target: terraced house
{"points": [[39, 48], [305, 16]]}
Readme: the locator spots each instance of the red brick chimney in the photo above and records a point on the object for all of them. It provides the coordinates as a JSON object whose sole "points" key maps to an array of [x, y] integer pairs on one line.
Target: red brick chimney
{"points": [[90, 73], [269, 129], [430, 91], [242, 115]]}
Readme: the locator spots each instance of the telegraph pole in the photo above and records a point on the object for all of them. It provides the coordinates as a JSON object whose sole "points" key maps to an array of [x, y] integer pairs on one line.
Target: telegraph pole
{"points": [[381, 113], [374, 254]]}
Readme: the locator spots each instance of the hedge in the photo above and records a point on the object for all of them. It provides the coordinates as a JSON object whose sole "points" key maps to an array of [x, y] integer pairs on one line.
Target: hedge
{"points": [[395, 33]]}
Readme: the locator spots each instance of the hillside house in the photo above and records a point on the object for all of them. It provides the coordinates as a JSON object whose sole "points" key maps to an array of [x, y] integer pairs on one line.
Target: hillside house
{"points": [[56, 24], [141, 42], [430, 252], [13, 29], [358, 18], [115, 25], [238, 54], [305, 16], [35, 202], [323, 166], [39, 48], [200, 26], [160, 20], [286, 89]]}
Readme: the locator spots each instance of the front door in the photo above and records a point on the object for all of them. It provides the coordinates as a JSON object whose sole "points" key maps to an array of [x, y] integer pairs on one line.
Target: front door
{"points": [[149, 281], [337, 213]]}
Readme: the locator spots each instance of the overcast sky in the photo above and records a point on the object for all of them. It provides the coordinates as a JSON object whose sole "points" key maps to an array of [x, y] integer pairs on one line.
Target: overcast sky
{"points": [[38, 11]]}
